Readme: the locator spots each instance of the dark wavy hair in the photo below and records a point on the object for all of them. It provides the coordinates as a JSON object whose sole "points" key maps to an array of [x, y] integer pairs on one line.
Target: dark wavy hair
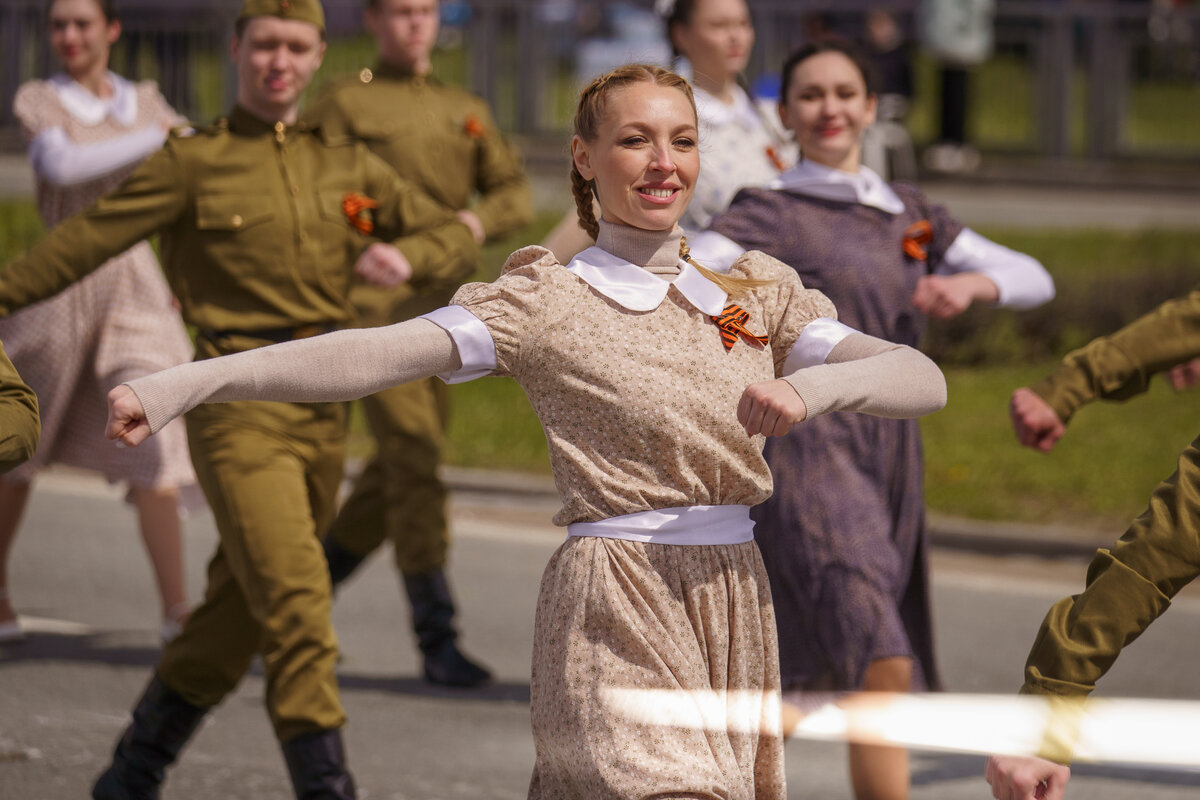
{"points": [[830, 45], [108, 9]]}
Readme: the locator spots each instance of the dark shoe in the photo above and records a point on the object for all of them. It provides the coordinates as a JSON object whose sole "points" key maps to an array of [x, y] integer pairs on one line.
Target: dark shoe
{"points": [[316, 763], [342, 562], [433, 622], [162, 724]]}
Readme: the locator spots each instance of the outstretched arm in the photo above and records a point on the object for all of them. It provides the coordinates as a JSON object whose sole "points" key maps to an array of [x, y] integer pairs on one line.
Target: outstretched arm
{"points": [[860, 373], [335, 367]]}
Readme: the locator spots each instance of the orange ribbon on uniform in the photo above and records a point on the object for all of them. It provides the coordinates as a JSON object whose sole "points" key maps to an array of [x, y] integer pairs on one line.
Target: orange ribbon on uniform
{"points": [[732, 323], [473, 127], [917, 238], [353, 205]]}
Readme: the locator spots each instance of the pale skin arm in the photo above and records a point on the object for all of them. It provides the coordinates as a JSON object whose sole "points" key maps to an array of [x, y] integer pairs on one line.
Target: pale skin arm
{"points": [[1036, 424], [1026, 778], [383, 265], [947, 296]]}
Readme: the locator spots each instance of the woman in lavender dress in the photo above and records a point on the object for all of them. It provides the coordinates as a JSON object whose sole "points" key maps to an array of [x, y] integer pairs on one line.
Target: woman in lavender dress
{"points": [[843, 536]]}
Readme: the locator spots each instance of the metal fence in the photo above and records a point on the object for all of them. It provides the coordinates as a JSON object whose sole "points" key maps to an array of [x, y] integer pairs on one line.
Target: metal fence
{"points": [[1096, 80]]}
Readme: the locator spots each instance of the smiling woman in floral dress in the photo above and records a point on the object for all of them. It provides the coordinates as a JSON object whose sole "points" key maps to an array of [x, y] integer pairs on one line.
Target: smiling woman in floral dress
{"points": [[656, 381]]}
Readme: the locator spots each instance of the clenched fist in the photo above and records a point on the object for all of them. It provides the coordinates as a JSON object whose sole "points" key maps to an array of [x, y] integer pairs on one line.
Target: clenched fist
{"points": [[770, 408], [126, 417]]}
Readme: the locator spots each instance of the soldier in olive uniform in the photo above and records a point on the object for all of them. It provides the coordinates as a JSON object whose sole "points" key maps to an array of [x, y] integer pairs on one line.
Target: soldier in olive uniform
{"points": [[1129, 586], [19, 423], [263, 224], [444, 140]]}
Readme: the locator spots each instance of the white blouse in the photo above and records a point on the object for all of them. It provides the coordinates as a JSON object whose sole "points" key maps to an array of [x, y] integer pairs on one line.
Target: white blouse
{"points": [[64, 162], [737, 149]]}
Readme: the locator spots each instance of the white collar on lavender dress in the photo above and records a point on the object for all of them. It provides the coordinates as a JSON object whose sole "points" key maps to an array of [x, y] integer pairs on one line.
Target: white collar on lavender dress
{"points": [[91, 110], [631, 285], [864, 187]]}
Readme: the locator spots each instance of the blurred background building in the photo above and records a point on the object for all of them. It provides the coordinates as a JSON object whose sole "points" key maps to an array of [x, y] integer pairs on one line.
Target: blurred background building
{"points": [[1074, 89]]}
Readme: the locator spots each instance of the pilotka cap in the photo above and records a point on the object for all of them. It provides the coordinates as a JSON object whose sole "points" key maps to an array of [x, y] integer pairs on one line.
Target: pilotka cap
{"points": [[303, 10]]}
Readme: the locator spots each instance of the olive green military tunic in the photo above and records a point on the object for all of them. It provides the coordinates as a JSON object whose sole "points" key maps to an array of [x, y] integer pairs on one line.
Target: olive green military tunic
{"points": [[258, 247], [19, 423], [445, 140], [1129, 586]]}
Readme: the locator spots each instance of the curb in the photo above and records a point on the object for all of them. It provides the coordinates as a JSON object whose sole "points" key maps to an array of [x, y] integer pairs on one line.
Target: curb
{"points": [[993, 538], [947, 532]]}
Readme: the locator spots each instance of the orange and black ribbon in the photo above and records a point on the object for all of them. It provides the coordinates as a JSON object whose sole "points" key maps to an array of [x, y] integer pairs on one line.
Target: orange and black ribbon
{"points": [[732, 323], [917, 238], [353, 205]]}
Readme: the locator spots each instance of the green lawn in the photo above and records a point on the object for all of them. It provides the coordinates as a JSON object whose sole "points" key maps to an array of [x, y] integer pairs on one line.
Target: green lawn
{"points": [[1103, 470]]}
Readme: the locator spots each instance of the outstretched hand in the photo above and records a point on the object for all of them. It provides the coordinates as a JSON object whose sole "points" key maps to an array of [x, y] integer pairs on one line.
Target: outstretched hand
{"points": [[947, 296], [126, 417], [1026, 778], [770, 408], [1036, 424]]}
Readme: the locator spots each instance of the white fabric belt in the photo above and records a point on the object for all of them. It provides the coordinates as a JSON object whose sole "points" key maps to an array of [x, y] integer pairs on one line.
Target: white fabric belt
{"points": [[683, 525]]}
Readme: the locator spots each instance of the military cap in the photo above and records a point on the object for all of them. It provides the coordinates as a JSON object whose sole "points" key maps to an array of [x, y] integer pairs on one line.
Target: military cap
{"points": [[303, 10]]}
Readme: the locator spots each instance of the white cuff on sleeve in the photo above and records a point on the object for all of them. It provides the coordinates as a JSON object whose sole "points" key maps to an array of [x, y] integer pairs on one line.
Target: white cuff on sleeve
{"points": [[1021, 280], [472, 339], [815, 343]]}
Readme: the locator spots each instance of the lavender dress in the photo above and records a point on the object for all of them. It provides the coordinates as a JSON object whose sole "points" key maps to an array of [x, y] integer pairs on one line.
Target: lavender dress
{"points": [[843, 536]]}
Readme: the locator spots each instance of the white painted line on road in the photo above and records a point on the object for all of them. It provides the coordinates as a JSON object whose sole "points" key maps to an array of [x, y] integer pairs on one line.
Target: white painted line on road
{"points": [[512, 533], [58, 627], [1014, 585]]}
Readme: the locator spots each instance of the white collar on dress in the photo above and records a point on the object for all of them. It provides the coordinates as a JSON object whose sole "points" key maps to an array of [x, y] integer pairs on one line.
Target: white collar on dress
{"points": [[636, 288], [864, 187], [712, 112], [91, 110]]}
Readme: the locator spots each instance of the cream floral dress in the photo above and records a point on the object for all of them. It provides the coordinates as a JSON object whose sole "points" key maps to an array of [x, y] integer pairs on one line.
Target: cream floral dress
{"points": [[639, 408], [116, 324]]}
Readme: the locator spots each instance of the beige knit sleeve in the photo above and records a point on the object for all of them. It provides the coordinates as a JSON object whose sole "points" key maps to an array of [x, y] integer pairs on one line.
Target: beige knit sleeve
{"points": [[337, 366], [871, 376]]}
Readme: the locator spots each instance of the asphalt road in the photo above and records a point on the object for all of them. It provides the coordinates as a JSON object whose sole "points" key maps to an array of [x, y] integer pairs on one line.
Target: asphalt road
{"points": [[80, 574]]}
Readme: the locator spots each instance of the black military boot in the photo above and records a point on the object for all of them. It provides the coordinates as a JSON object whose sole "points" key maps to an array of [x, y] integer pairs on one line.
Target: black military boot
{"points": [[433, 622], [316, 763], [342, 562], [162, 724]]}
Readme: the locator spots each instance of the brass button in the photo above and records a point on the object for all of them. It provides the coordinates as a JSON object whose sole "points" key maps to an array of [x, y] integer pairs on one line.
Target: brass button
{"points": [[303, 236], [295, 190], [366, 76], [236, 220]]}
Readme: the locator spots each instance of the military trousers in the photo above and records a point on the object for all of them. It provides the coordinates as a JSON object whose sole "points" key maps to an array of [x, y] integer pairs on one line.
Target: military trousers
{"points": [[399, 495], [271, 473]]}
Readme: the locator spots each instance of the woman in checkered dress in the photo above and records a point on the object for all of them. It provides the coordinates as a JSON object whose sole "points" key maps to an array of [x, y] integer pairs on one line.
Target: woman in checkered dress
{"points": [[87, 129]]}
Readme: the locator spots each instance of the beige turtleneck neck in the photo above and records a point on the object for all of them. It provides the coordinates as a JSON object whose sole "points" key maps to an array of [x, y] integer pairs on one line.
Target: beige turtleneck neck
{"points": [[657, 251]]}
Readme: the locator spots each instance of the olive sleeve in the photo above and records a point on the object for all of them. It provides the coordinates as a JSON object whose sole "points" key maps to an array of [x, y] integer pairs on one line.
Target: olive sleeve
{"points": [[506, 198], [151, 198], [1120, 366], [1127, 588], [439, 247], [20, 426]]}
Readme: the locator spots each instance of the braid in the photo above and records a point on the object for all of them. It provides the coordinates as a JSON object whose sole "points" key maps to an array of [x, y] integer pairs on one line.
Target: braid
{"points": [[732, 286], [582, 189]]}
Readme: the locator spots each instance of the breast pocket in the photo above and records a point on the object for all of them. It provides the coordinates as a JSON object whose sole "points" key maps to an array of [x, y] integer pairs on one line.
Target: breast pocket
{"points": [[232, 213]]}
